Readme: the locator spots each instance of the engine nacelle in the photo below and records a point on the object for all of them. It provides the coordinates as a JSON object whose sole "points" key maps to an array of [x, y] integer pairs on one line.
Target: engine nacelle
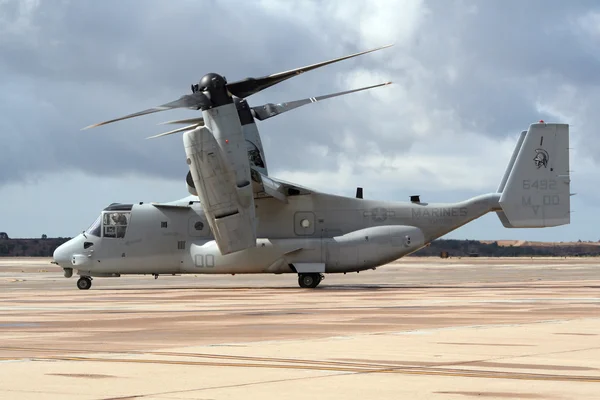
{"points": [[371, 247], [219, 166]]}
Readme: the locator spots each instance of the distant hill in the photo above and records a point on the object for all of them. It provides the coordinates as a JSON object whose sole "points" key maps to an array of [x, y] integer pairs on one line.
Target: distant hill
{"points": [[30, 247], [522, 243], [509, 248], [454, 248]]}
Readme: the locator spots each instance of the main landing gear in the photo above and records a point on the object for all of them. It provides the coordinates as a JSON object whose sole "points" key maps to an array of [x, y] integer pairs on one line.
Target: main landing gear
{"points": [[84, 283], [310, 280]]}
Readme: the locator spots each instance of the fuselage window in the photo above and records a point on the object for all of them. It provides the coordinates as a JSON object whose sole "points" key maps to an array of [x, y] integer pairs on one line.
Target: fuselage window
{"points": [[115, 224]]}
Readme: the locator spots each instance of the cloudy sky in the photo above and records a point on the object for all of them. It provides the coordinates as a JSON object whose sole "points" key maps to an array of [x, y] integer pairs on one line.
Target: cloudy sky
{"points": [[468, 77]]}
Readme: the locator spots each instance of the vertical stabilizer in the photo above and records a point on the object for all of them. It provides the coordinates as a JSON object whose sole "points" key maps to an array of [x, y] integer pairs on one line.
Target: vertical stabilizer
{"points": [[536, 185], [511, 164]]}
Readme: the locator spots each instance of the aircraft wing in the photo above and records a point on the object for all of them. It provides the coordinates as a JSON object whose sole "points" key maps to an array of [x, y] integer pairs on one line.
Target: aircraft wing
{"points": [[172, 206], [265, 186], [184, 203]]}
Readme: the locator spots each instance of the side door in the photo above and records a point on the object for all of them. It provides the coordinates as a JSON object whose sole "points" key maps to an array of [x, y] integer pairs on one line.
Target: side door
{"points": [[114, 227]]}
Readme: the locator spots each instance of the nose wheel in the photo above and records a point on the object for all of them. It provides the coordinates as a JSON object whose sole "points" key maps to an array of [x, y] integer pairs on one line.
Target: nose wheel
{"points": [[309, 280], [84, 283]]}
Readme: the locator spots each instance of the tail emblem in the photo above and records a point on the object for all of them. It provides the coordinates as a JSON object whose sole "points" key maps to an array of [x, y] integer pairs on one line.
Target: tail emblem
{"points": [[541, 158]]}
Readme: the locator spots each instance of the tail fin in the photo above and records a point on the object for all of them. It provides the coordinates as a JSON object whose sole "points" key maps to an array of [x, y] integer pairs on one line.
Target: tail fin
{"points": [[535, 189]]}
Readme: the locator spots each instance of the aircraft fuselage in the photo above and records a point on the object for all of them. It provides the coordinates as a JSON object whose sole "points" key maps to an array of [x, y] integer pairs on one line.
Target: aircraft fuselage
{"points": [[312, 233]]}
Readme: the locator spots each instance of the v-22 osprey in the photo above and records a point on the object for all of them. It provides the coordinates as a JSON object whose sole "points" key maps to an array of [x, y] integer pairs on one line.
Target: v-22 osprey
{"points": [[239, 220]]}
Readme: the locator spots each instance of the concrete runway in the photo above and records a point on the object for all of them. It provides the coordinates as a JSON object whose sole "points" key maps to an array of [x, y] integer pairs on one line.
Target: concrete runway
{"points": [[422, 328]]}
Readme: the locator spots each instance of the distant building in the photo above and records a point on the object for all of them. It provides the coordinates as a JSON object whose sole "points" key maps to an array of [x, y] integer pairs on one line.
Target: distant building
{"points": [[3, 235]]}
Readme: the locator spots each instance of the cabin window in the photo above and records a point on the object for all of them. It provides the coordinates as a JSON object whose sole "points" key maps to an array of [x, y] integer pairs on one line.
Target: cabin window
{"points": [[163, 224], [114, 224]]}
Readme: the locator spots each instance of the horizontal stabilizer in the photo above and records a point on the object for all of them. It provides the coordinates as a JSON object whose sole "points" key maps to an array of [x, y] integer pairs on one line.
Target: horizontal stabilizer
{"points": [[504, 219]]}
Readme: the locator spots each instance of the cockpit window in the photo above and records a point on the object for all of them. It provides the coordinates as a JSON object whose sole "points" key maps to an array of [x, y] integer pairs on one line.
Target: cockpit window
{"points": [[114, 224], [95, 229]]}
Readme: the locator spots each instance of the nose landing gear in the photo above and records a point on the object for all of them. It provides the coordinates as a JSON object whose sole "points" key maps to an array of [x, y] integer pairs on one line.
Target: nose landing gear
{"points": [[311, 280], [84, 283]]}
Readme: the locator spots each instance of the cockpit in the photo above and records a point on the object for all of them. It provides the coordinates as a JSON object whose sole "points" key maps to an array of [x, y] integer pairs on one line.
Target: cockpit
{"points": [[112, 223]]}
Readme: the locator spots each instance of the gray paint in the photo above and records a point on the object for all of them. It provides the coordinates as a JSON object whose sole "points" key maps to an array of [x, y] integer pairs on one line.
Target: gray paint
{"points": [[339, 235]]}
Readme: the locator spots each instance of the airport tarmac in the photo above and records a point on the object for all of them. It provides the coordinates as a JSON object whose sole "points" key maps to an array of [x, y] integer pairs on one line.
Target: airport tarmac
{"points": [[421, 328]]}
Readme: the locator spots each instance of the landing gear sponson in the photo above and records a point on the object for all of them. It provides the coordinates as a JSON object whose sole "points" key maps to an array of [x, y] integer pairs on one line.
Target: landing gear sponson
{"points": [[311, 280]]}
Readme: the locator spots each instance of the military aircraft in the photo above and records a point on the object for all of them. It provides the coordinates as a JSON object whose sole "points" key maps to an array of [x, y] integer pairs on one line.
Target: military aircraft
{"points": [[240, 220]]}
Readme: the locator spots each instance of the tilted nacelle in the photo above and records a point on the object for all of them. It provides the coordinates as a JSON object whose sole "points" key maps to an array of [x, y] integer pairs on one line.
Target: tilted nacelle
{"points": [[220, 171], [254, 147]]}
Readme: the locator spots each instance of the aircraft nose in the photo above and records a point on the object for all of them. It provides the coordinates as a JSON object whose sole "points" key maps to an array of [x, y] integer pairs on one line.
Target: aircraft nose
{"points": [[61, 255]]}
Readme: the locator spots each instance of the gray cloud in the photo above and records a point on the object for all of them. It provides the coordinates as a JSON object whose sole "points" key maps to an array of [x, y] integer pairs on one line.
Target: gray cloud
{"points": [[84, 62]]}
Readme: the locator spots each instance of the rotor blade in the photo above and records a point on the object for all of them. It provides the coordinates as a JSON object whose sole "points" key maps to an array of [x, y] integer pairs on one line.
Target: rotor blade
{"points": [[194, 101], [249, 86], [185, 128], [270, 110], [198, 120]]}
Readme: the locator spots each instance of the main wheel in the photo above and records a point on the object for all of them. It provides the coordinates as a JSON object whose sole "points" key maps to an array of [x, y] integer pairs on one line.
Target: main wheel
{"points": [[84, 283], [309, 280]]}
